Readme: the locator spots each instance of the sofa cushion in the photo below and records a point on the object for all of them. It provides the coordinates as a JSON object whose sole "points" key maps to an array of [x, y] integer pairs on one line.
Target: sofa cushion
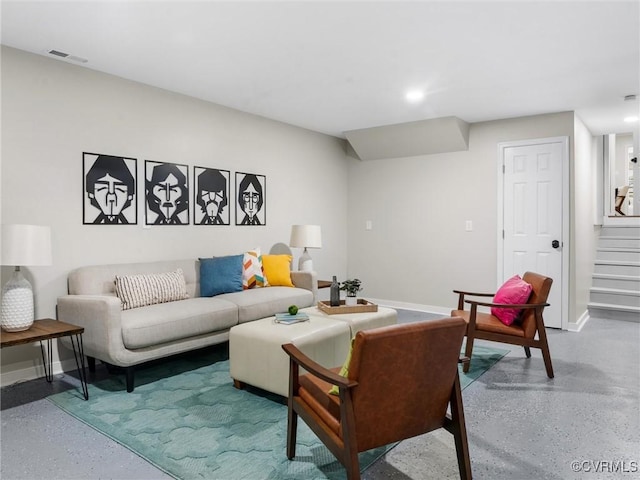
{"points": [[148, 289], [157, 324], [220, 275], [266, 302], [252, 271]]}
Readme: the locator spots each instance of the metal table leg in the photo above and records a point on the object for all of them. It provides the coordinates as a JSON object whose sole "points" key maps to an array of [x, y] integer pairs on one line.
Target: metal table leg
{"points": [[78, 353], [79, 356], [47, 362]]}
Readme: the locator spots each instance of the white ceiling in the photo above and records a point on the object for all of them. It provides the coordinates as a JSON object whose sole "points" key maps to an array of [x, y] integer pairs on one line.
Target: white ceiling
{"points": [[336, 66]]}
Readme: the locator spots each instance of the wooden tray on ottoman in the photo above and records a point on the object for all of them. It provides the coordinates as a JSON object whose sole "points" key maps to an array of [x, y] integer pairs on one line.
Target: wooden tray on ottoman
{"points": [[362, 306]]}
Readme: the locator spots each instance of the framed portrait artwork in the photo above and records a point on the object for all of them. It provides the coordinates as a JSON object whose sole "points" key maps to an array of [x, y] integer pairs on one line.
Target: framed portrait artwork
{"points": [[109, 193], [211, 196], [251, 206], [166, 193]]}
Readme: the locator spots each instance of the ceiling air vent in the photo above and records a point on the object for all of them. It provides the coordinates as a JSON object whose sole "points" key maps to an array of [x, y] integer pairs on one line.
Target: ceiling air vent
{"points": [[58, 54], [73, 58]]}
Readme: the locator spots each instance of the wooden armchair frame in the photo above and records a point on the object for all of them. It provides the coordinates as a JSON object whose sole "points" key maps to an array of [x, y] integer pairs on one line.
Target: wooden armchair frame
{"points": [[343, 443], [483, 325]]}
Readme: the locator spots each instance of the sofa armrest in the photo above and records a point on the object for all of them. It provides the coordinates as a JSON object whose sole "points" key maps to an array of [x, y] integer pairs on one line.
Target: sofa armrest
{"points": [[100, 315], [306, 280]]}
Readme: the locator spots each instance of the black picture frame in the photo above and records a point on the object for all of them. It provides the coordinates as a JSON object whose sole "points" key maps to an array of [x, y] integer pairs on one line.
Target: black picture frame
{"points": [[166, 193], [109, 189], [212, 201], [254, 211]]}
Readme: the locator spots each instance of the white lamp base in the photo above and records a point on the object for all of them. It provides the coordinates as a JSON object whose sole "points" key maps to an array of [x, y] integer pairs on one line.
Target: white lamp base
{"points": [[17, 304], [305, 264]]}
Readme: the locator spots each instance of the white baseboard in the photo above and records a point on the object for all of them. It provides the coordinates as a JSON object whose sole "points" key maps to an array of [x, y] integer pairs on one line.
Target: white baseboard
{"points": [[582, 321], [34, 372], [411, 306]]}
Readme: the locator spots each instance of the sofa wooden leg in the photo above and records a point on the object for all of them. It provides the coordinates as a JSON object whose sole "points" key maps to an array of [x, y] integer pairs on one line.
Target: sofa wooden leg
{"points": [[91, 363], [238, 384]]}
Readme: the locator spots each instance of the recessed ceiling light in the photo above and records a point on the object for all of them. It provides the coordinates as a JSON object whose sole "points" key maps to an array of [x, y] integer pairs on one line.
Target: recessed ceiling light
{"points": [[631, 119], [414, 96]]}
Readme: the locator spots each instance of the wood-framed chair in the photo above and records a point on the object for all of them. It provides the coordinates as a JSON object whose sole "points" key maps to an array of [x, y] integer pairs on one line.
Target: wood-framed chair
{"points": [[401, 380], [487, 327]]}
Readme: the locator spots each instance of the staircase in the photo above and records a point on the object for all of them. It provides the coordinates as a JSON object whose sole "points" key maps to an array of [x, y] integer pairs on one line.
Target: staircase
{"points": [[615, 290]]}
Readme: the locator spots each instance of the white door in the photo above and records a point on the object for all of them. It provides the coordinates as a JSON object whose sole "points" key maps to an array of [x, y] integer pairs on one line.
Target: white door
{"points": [[533, 214]]}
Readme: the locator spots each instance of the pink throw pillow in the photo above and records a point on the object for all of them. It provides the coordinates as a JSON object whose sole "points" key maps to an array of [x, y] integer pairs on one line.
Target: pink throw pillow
{"points": [[513, 291]]}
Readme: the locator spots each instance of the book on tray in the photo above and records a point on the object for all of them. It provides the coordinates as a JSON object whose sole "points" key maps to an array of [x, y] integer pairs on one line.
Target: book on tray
{"points": [[288, 319]]}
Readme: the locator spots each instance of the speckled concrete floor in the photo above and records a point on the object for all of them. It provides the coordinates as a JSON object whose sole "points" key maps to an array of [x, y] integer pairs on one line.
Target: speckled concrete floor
{"points": [[521, 425]]}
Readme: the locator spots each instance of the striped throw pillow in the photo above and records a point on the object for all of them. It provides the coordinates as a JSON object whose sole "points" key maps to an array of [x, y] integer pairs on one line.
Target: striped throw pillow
{"points": [[148, 289]]}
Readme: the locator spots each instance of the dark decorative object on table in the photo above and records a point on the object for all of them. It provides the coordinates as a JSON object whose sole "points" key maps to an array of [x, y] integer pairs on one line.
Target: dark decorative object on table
{"points": [[334, 299]]}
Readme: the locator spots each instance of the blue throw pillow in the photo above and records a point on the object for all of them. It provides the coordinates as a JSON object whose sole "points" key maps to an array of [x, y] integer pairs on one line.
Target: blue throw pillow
{"points": [[220, 275]]}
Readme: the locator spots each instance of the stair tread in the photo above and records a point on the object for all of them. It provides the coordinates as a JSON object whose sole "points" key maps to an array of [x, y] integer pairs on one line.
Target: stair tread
{"points": [[616, 276], [626, 237], [610, 306], [619, 249], [617, 262], [615, 291]]}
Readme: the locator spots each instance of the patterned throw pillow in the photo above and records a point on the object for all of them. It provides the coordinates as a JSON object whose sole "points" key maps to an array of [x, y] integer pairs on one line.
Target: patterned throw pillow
{"points": [[252, 272], [148, 289], [513, 291]]}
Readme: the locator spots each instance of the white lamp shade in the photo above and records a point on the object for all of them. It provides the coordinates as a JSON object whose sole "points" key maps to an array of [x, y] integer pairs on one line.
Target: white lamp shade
{"points": [[26, 245], [306, 236]]}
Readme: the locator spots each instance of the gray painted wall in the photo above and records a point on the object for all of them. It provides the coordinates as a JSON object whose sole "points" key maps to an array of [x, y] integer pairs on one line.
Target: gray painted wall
{"points": [[416, 252], [53, 111]]}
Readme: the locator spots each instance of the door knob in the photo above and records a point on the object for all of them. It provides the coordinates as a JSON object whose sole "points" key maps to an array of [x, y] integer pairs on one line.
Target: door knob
{"points": [[555, 244]]}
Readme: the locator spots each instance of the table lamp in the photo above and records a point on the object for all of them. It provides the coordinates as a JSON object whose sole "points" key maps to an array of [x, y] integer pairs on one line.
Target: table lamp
{"points": [[305, 236], [22, 245]]}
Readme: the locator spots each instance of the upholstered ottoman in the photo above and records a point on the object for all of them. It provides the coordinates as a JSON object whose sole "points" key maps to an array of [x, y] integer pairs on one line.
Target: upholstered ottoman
{"points": [[359, 321], [256, 356]]}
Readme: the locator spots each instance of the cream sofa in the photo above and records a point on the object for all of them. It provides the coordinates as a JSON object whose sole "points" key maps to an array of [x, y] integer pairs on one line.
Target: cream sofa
{"points": [[126, 338]]}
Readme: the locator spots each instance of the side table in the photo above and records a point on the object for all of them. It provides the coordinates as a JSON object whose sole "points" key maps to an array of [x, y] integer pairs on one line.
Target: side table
{"points": [[48, 329]]}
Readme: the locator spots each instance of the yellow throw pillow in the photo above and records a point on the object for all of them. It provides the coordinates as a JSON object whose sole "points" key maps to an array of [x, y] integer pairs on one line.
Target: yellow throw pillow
{"points": [[277, 270], [344, 371]]}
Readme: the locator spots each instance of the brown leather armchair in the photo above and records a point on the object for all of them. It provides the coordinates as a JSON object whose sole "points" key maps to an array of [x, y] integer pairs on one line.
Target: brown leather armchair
{"points": [[487, 327], [401, 380]]}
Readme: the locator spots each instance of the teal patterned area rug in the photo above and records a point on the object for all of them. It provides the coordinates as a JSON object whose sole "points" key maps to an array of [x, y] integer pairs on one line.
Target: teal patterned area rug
{"points": [[187, 419]]}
